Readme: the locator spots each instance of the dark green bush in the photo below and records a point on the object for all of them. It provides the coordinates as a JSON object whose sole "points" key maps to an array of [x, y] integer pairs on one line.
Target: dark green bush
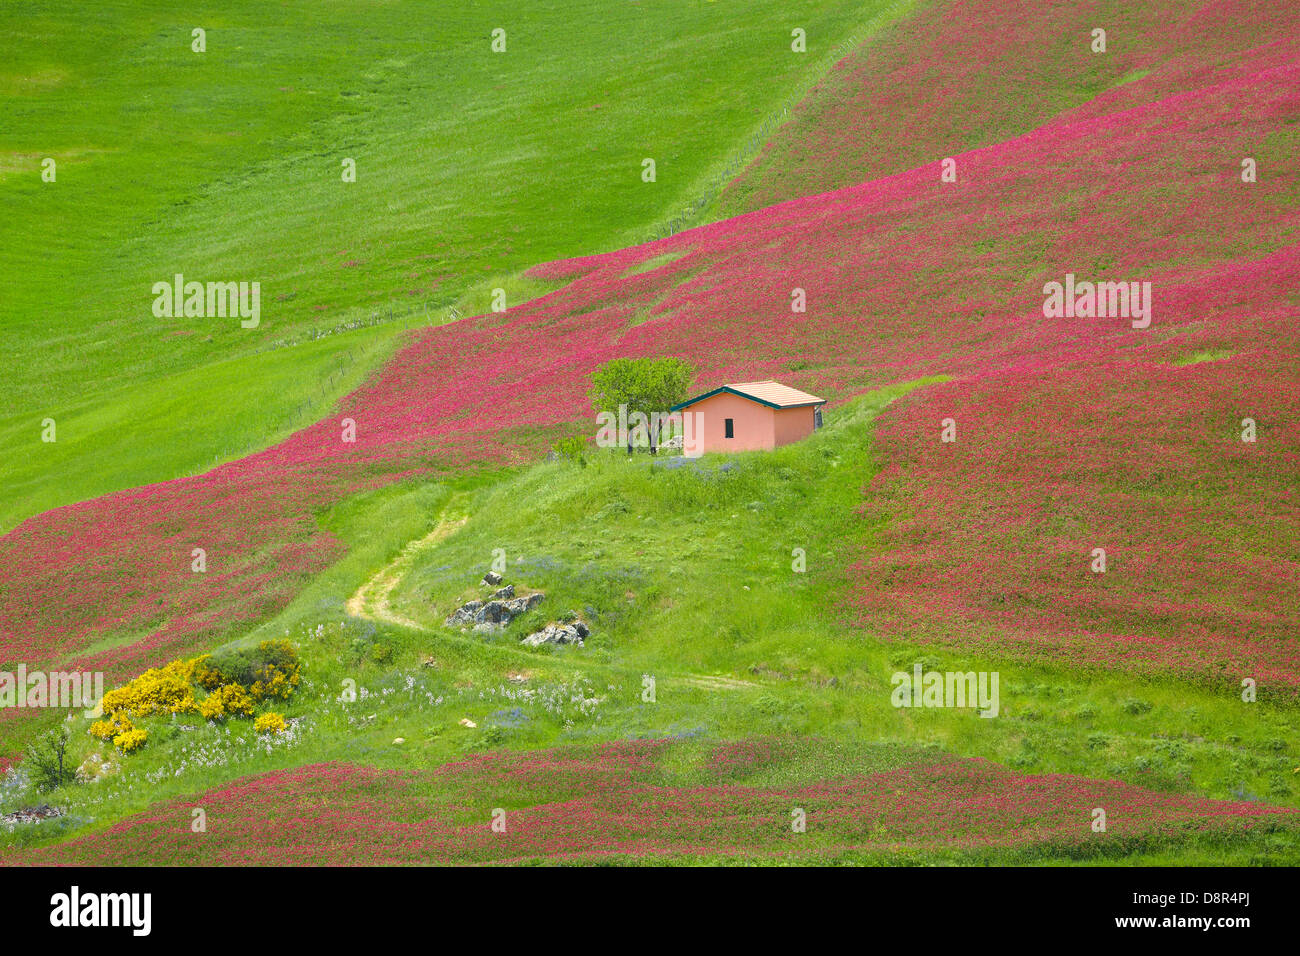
{"points": [[247, 666]]}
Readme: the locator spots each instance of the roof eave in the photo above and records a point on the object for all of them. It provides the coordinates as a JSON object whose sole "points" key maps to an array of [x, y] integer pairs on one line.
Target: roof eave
{"points": [[753, 398]]}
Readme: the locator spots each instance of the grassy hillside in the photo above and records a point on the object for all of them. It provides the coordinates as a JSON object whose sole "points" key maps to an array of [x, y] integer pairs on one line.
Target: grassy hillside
{"points": [[686, 575], [952, 77], [226, 165]]}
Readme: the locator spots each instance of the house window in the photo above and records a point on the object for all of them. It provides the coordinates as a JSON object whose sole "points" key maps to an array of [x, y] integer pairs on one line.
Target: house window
{"points": [[731, 427]]}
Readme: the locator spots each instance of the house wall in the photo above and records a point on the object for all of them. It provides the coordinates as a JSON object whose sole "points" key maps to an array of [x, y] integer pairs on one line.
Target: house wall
{"points": [[755, 425], [792, 424]]}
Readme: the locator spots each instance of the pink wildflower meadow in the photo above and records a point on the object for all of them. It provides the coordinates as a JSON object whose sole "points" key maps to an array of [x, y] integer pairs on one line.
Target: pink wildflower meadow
{"points": [[935, 83], [616, 801]]}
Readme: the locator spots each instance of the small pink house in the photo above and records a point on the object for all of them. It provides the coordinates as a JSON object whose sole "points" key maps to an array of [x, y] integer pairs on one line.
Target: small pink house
{"points": [[749, 416]]}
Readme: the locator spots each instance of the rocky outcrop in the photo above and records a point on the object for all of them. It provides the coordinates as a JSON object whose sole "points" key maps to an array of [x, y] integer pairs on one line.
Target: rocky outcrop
{"points": [[32, 814], [573, 632], [494, 614]]}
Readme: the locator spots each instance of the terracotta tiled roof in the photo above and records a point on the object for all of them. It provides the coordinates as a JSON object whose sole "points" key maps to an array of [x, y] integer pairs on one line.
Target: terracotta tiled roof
{"points": [[774, 393], [769, 393]]}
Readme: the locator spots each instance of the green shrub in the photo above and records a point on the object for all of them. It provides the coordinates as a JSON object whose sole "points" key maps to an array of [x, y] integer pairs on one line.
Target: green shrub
{"points": [[48, 760], [571, 449], [247, 666]]}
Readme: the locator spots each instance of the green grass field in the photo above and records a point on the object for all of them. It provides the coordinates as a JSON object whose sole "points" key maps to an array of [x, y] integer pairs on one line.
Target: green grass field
{"points": [[227, 165]]}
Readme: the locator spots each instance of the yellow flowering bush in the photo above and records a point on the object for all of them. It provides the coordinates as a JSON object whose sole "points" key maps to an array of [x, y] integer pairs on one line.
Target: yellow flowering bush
{"points": [[280, 686], [210, 707], [235, 701], [269, 670], [117, 723], [269, 723], [204, 674], [131, 740], [183, 669], [235, 680], [156, 691]]}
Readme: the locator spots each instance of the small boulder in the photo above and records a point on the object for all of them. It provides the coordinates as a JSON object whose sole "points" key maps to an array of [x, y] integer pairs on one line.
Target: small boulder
{"points": [[505, 593], [557, 633], [492, 578]]}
